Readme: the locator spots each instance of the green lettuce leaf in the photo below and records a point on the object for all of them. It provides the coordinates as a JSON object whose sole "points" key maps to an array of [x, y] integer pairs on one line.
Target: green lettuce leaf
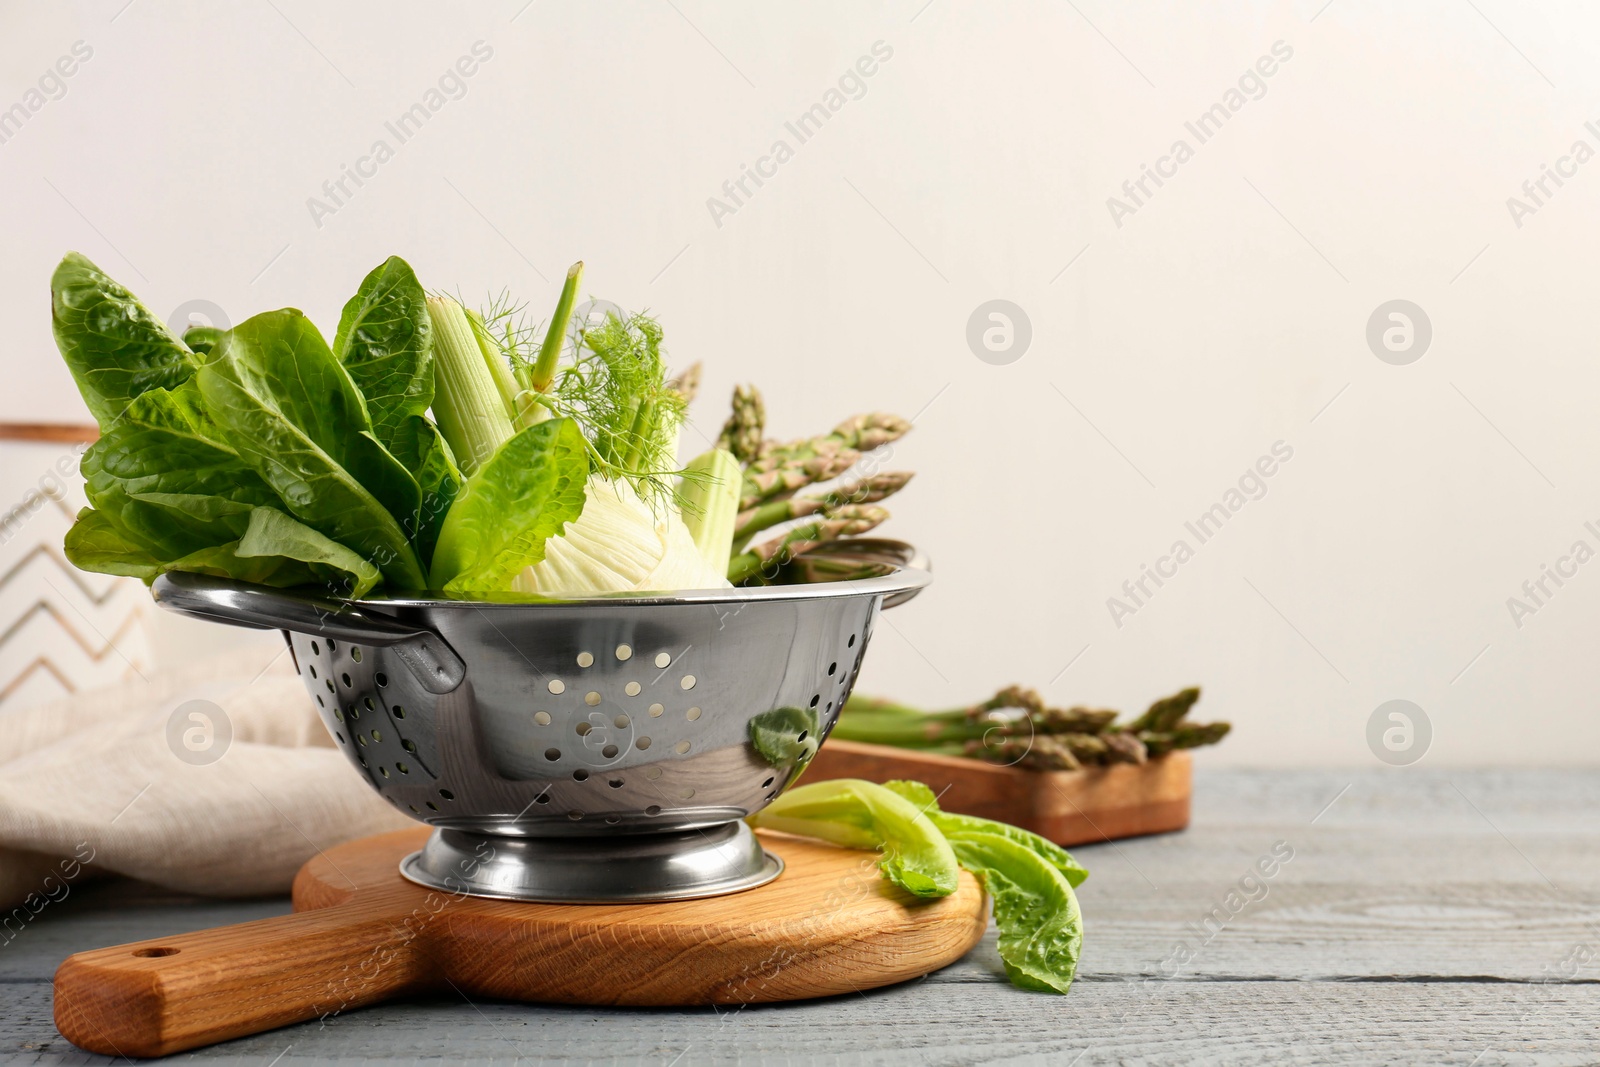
{"points": [[275, 550], [202, 339], [94, 544], [294, 416], [113, 346], [385, 341], [525, 494], [169, 488], [271, 533], [420, 446], [859, 814], [1035, 910], [1031, 882], [955, 826]]}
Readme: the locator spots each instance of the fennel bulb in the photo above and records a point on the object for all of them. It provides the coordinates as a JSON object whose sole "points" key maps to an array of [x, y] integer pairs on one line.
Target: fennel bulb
{"points": [[620, 545]]}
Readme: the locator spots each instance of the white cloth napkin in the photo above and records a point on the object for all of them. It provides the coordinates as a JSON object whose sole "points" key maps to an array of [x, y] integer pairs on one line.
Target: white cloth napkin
{"points": [[91, 785]]}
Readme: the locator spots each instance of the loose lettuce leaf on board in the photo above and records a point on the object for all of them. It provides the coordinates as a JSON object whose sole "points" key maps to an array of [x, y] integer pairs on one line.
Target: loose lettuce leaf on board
{"points": [[1031, 882], [1035, 910], [954, 826], [114, 347], [524, 495], [859, 814], [292, 413]]}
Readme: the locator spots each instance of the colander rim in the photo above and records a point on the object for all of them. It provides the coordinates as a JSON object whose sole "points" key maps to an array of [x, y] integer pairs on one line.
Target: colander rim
{"points": [[900, 578]]}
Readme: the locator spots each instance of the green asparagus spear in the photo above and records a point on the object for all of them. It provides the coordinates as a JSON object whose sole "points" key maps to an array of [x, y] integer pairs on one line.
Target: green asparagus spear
{"points": [[1016, 727], [1167, 712], [687, 382], [848, 521], [742, 433], [868, 490]]}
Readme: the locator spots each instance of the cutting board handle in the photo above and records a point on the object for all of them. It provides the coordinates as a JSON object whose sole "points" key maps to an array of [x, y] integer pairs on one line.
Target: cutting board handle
{"points": [[153, 998]]}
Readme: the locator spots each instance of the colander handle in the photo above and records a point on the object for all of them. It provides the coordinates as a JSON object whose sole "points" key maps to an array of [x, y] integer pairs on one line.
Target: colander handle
{"points": [[431, 659]]}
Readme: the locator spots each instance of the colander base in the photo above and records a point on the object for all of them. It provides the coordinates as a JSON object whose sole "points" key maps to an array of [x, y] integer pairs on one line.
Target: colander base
{"points": [[626, 868]]}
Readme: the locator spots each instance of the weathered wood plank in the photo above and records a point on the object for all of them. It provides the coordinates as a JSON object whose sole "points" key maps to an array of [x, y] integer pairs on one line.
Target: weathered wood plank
{"points": [[1199, 1022], [1412, 925]]}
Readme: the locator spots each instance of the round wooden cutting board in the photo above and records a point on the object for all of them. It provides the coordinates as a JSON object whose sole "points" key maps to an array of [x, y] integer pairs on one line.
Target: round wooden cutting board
{"points": [[361, 934]]}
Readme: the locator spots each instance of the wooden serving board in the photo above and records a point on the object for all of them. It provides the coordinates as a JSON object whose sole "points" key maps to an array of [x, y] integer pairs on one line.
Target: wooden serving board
{"points": [[1068, 807], [361, 934]]}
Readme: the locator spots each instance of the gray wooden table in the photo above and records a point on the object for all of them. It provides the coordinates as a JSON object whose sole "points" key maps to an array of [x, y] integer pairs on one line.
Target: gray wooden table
{"points": [[1422, 917]]}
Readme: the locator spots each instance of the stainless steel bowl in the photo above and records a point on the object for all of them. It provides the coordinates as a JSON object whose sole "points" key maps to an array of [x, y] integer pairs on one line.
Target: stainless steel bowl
{"points": [[601, 749]]}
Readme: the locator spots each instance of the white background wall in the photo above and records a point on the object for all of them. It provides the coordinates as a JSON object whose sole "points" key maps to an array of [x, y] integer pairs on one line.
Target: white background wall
{"points": [[1229, 312]]}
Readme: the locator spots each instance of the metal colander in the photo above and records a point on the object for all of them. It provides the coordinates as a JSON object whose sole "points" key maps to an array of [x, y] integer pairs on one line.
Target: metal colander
{"points": [[582, 750]]}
